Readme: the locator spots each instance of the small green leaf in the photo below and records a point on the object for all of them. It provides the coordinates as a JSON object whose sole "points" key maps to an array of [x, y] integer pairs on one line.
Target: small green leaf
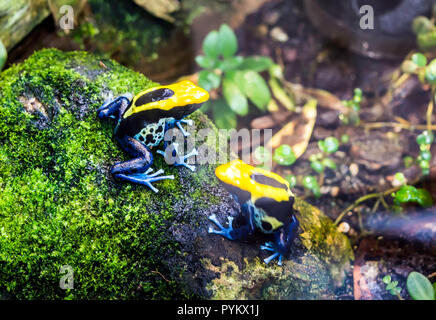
{"points": [[399, 176], [430, 72], [329, 145], [223, 116], [235, 97], [425, 138], [256, 89], [408, 161], [387, 279], [231, 63], [209, 80], [408, 194], [276, 71], [422, 25], [311, 183], [358, 93], [262, 154], [284, 155], [427, 41], [408, 66], [419, 59], [292, 180], [391, 285], [424, 164], [329, 163], [256, 63], [395, 291], [228, 41], [211, 45], [345, 138], [317, 166], [419, 287], [205, 62], [425, 155]]}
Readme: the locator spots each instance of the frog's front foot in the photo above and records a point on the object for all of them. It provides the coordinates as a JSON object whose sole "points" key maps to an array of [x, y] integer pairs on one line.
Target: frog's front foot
{"points": [[187, 122], [145, 178], [269, 246], [225, 232], [179, 160]]}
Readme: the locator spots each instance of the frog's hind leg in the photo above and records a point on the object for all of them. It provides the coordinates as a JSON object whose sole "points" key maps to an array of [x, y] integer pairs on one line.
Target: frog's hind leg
{"points": [[137, 170], [230, 233], [188, 122], [172, 156], [282, 241], [114, 108]]}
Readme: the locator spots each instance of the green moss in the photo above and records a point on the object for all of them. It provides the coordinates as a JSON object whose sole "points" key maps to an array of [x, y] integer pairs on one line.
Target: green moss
{"points": [[122, 29], [306, 279], [58, 204], [321, 236]]}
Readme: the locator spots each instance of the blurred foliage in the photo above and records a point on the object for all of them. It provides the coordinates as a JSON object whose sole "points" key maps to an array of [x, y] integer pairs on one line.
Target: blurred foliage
{"points": [[118, 29], [353, 107], [3, 55], [391, 286], [237, 77], [409, 194], [425, 31], [419, 287]]}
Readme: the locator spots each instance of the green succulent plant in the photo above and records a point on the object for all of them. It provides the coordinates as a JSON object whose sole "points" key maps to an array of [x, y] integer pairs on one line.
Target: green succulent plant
{"points": [[237, 77]]}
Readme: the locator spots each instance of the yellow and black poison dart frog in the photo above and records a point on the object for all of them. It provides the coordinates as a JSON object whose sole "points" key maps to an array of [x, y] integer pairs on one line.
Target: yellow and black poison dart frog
{"points": [[142, 123], [266, 203]]}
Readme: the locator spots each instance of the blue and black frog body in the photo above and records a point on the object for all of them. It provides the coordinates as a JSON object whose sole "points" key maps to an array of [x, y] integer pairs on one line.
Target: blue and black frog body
{"points": [[142, 123], [266, 204]]}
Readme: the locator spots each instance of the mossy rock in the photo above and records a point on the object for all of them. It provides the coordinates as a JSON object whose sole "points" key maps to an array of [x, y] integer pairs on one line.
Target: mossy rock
{"points": [[60, 206]]}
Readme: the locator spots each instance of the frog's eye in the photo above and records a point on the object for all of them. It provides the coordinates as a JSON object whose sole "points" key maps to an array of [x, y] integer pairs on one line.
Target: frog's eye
{"points": [[266, 226], [242, 195], [155, 95], [260, 178]]}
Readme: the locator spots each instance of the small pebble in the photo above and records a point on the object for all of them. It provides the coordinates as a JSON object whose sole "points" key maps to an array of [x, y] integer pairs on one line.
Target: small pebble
{"points": [[354, 169], [325, 190], [272, 17], [344, 227], [334, 191], [278, 34], [262, 30]]}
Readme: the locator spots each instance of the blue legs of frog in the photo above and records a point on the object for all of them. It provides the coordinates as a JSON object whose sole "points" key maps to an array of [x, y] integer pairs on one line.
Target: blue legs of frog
{"points": [[172, 156], [283, 236], [239, 233], [187, 122], [145, 178], [137, 170], [225, 232], [269, 246]]}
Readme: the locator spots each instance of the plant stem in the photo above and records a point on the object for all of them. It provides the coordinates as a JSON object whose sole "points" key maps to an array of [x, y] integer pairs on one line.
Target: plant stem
{"points": [[379, 195], [321, 179], [378, 125]]}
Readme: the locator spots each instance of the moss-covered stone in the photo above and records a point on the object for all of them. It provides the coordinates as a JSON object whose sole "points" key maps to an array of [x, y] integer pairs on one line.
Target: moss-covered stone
{"points": [[60, 206]]}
